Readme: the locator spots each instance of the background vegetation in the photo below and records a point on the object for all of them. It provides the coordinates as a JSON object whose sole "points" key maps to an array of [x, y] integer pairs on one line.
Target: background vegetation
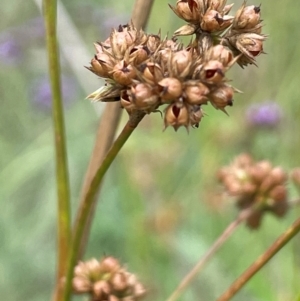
{"points": [[160, 207]]}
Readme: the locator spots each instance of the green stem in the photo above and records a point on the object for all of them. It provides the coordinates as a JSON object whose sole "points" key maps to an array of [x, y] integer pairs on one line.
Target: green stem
{"points": [[62, 178], [107, 128], [281, 241], [212, 250], [84, 210]]}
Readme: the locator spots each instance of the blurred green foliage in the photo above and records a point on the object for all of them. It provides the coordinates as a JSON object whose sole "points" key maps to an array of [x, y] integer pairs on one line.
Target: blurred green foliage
{"points": [[160, 208]]}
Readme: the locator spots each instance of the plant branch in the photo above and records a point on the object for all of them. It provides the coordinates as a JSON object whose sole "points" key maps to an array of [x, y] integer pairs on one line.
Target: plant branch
{"points": [[281, 241], [84, 210], [62, 178], [212, 250], [107, 129]]}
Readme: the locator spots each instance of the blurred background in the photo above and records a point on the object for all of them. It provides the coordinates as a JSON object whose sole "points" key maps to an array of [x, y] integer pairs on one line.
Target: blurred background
{"points": [[161, 207]]}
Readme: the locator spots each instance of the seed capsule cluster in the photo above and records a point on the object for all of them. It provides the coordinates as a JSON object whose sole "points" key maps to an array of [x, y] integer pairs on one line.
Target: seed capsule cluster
{"points": [[144, 71], [256, 184], [106, 280]]}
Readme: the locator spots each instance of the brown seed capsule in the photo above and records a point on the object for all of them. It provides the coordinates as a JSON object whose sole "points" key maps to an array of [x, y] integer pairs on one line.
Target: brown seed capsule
{"points": [[143, 96], [125, 37], [81, 285], [250, 44], [278, 193], [151, 72], [221, 97], [260, 171], [153, 42], [187, 10], [195, 93], [186, 30], [212, 72], [123, 73], [278, 176], [247, 17], [180, 62], [196, 114], [170, 89], [138, 54], [100, 67], [126, 102], [101, 289], [213, 21], [220, 53], [109, 264], [176, 115], [119, 281], [138, 290]]}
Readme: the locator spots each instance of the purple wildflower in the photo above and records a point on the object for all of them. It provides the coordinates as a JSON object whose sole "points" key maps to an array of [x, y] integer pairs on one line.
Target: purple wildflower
{"points": [[266, 114], [10, 50]]}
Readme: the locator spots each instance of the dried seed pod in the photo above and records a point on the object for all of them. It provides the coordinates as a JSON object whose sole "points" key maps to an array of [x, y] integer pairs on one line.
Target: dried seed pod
{"points": [[213, 21], [196, 114], [143, 96], [126, 102], [212, 72], [218, 5], [81, 285], [101, 65], [221, 97], [123, 73], [109, 264], [260, 171], [256, 184], [170, 89], [101, 290], [119, 281], [138, 54], [176, 115], [250, 44], [222, 54], [151, 73], [187, 10], [186, 30], [180, 63], [278, 175], [153, 42], [195, 93], [246, 17]]}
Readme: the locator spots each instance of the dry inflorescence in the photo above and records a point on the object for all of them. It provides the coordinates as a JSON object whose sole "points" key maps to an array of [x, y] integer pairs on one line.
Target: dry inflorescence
{"points": [[258, 185], [106, 280], [144, 71]]}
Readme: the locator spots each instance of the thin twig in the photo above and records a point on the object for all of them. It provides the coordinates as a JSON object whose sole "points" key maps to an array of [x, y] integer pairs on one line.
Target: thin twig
{"points": [[107, 129], [281, 241], [62, 178], [90, 197], [212, 250]]}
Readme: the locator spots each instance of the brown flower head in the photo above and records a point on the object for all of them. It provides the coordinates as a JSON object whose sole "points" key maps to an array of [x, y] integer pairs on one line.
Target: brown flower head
{"points": [[256, 184], [106, 280]]}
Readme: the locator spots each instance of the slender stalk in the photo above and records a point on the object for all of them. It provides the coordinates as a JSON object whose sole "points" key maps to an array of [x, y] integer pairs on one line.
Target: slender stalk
{"points": [[62, 178], [212, 250], [281, 241], [107, 129], [90, 197]]}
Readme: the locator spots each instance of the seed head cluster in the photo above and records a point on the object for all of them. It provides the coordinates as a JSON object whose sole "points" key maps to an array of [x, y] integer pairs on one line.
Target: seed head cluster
{"points": [[256, 184], [106, 280], [145, 71]]}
